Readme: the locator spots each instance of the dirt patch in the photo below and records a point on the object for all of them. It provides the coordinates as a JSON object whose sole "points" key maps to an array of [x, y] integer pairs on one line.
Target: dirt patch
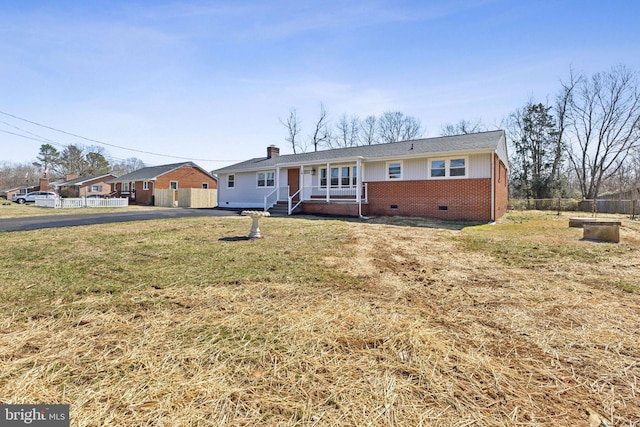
{"points": [[537, 346]]}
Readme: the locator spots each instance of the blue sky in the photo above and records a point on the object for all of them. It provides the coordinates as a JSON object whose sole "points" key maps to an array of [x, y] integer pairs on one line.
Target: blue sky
{"points": [[209, 81]]}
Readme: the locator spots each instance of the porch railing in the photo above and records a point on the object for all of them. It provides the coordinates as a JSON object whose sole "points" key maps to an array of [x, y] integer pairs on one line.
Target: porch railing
{"points": [[294, 198], [335, 194], [279, 193]]}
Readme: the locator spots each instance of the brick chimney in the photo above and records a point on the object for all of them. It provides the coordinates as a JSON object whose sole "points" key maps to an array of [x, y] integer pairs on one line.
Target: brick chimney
{"points": [[272, 151], [44, 184]]}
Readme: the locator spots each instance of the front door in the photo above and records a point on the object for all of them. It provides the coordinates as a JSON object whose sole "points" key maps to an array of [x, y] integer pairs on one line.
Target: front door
{"points": [[293, 179]]}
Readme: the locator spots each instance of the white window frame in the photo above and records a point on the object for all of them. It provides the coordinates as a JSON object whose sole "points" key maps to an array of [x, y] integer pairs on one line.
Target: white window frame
{"points": [[95, 188], [205, 185], [231, 181], [265, 180], [447, 167], [173, 185], [125, 186], [388, 170], [145, 185], [351, 176]]}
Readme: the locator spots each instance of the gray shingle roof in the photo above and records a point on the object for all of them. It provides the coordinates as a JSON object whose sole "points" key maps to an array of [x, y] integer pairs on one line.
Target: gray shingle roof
{"points": [[483, 141], [152, 172], [83, 179]]}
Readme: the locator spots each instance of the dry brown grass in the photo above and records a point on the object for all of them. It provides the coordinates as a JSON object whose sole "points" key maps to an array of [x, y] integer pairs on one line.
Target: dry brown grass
{"points": [[387, 322]]}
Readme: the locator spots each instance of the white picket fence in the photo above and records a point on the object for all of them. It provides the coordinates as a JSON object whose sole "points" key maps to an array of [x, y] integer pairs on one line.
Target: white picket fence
{"points": [[81, 202]]}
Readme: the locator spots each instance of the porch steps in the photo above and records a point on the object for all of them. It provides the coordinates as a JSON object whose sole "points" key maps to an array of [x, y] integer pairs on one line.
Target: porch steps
{"points": [[281, 209]]}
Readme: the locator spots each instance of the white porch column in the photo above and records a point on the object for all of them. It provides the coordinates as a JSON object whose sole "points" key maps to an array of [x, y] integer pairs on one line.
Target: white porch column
{"points": [[278, 183], [301, 186], [359, 185], [328, 182]]}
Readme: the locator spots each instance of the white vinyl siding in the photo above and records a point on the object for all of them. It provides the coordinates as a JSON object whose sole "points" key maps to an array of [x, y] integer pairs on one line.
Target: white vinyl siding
{"points": [[245, 193], [477, 166]]}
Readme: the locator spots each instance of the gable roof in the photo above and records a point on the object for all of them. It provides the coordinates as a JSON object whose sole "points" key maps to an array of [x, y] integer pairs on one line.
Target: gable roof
{"points": [[153, 172], [492, 141], [84, 179]]}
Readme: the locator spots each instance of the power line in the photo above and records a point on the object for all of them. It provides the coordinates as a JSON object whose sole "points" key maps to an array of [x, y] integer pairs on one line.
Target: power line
{"points": [[40, 137], [107, 144]]}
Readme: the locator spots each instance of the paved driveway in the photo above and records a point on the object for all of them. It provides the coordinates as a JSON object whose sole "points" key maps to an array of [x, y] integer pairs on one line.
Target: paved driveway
{"points": [[33, 223]]}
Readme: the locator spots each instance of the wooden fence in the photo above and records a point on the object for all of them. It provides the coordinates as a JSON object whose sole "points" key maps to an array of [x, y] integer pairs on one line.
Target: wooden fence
{"points": [[186, 198], [615, 206]]}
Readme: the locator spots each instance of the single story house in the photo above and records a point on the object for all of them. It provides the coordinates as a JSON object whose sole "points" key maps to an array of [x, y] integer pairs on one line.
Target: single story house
{"points": [[461, 177], [142, 186], [75, 186], [9, 192]]}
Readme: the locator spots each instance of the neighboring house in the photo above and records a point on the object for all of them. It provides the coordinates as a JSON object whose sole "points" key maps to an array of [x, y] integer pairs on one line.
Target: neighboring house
{"points": [[460, 177], [74, 186], [44, 186], [142, 186], [8, 193]]}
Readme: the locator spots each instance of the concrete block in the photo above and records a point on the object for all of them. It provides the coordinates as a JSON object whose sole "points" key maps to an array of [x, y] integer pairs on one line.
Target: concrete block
{"points": [[602, 231]]}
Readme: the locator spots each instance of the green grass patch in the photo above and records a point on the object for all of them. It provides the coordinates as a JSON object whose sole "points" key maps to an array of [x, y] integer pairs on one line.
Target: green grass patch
{"points": [[67, 265]]}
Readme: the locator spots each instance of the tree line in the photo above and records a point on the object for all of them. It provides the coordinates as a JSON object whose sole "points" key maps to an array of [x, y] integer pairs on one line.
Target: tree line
{"points": [[74, 159], [585, 141], [349, 131]]}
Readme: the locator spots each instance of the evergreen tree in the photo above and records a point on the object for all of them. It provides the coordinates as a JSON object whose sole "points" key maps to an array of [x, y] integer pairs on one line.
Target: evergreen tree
{"points": [[538, 151]]}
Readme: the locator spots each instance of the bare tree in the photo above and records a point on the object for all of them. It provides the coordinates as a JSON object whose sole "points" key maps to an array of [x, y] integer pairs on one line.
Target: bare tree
{"points": [[18, 175], [347, 132], [126, 166], [395, 126], [603, 122], [368, 128], [293, 129], [321, 133], [463, 127]]}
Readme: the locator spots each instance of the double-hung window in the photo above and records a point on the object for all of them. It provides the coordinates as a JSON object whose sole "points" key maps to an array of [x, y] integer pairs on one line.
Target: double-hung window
{"points": [[394, 170], [266, 179], [448, 168], [145, 185], [231, 181]]}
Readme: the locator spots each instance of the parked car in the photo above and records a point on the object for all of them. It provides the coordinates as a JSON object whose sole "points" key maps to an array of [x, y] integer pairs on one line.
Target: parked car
{"points": [[95, 196], [31, 197]]}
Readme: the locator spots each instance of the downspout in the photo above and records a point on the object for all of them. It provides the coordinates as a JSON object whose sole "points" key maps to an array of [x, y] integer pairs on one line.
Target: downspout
{"points": [[493, 187]]}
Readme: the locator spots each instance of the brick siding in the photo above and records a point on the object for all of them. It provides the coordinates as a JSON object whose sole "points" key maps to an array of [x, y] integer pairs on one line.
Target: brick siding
{"points": [[453, 199], [336, 208], [186, 176]]}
